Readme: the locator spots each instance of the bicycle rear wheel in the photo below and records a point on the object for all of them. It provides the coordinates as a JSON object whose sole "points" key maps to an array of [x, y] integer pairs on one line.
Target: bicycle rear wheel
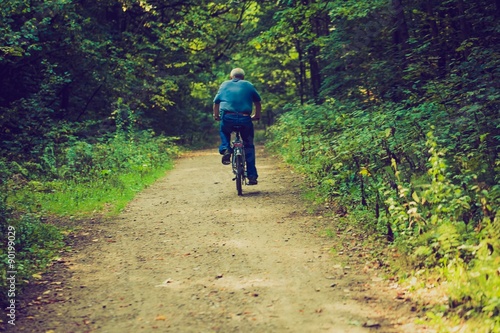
{"points": [[239, 174]]}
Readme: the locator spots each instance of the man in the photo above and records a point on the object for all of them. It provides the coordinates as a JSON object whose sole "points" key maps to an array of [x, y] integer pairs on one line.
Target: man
{"points": [[235, 101]]}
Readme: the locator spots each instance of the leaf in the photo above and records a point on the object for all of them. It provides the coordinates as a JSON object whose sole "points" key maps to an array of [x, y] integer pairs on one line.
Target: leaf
{"points": [[415, 197], [364, 172]]}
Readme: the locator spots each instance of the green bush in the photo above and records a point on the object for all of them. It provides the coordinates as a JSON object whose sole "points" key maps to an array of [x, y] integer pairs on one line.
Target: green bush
{"points": [[74, 177], [419, 174], [36, 245]]}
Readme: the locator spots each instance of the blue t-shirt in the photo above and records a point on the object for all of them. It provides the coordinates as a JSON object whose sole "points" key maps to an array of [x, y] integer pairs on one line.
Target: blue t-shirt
{"points": [[236, 96]]}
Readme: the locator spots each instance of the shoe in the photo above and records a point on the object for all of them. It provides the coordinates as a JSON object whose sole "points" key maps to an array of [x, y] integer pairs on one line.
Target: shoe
{"points": [[226, 157], [252, 181]]}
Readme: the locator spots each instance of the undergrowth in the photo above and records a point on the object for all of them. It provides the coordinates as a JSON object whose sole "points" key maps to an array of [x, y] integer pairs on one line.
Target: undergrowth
{"points": [[78, 178], [412, 177]]}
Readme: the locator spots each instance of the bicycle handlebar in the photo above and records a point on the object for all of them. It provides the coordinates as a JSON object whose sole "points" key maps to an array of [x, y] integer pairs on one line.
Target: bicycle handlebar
{"points": [[251, 117]]}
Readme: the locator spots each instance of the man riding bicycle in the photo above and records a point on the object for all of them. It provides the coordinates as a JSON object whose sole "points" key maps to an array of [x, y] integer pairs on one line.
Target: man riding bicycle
{"points": [[235, 100]]}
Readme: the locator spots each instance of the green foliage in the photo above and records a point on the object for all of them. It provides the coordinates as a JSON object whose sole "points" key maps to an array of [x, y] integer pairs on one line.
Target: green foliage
{"points": [[36, 245], [352, 10], [440, 204], [73, 179], [65, 62], [83, 176], [405, 132]]}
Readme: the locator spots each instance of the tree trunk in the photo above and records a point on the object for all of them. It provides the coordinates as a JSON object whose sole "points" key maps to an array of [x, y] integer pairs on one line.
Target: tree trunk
{"points": [[436, 43], [401, 34], [400, 42], [464, 25], [320, 27], [432, 22], [315, 72], [302, 67]]}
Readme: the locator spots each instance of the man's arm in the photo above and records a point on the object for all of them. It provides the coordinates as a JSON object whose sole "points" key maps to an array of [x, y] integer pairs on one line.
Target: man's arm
{"points": [[216, 113], [258, 108]]}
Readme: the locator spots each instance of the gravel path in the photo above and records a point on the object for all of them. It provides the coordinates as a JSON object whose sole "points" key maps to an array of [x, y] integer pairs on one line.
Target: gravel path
{"points": [[189, 255]]}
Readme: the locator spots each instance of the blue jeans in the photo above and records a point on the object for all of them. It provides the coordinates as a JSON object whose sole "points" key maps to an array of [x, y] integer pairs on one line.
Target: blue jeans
{"points": [[226, 127]]}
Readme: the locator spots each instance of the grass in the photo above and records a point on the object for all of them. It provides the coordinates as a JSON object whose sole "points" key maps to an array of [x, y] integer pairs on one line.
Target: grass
{"points": [[37, 242], [259, 136], [30, 206], [105, 195]]}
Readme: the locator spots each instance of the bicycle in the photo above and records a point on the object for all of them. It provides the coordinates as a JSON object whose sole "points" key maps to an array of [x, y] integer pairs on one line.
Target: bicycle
{"points": [[238, 161]]}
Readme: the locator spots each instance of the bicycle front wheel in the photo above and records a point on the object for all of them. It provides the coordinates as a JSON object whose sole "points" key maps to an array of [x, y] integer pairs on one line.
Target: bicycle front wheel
{"points": [[239, 174]]}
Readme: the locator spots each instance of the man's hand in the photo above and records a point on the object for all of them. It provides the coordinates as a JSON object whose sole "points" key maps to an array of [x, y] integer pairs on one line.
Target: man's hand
{"points": [[258, 109], [216, 112]]}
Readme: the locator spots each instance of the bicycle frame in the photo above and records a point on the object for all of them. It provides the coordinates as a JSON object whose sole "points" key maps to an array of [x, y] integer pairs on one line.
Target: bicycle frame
{"points": [[238, 161]]}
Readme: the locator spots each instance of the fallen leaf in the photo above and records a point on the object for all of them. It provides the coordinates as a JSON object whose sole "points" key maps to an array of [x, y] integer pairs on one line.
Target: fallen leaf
{"points": [[371, 323], [400, 295], [163, 318]]}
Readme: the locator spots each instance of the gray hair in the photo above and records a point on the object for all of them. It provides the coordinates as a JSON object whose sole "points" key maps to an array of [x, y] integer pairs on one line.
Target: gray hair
{"points": [[237, 73]]}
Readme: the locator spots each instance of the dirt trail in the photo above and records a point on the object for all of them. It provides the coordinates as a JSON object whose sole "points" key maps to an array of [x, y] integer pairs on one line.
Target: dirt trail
{"points": [[189, 255]]}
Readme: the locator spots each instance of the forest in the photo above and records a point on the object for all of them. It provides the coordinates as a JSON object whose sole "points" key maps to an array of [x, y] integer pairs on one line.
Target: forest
{"points": [[389, 108]]}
